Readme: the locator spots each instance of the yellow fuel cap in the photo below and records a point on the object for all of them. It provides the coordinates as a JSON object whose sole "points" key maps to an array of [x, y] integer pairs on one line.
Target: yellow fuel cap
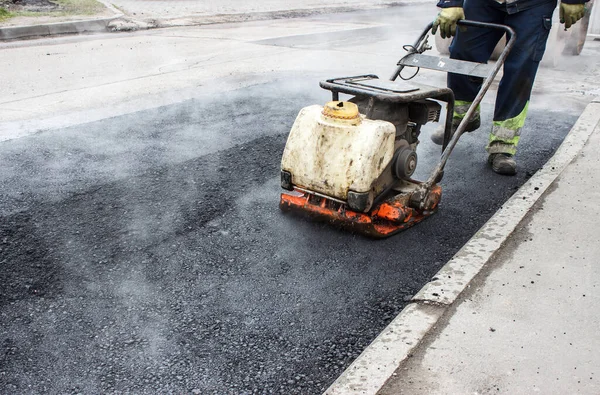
{"points": [[342, 111]]}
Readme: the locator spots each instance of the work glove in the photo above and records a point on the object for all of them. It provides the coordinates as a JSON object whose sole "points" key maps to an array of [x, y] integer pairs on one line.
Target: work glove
{"points": [[571, 13], [446, 21]]}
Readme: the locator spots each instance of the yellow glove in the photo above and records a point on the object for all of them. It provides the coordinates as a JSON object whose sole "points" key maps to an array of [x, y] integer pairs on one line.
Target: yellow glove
{"points": [[571, 13], [446, 21]]}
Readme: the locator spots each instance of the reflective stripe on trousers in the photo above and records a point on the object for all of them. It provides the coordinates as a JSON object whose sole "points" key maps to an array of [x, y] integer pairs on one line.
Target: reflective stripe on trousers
{"points": [[532, 27]]}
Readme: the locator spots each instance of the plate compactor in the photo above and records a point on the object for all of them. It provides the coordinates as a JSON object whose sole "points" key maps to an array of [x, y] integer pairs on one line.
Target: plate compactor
{"points": [[351, 162]]}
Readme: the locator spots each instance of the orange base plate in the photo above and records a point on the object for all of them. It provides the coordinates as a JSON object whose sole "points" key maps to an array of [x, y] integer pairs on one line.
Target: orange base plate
{"points": [[384, 220]]}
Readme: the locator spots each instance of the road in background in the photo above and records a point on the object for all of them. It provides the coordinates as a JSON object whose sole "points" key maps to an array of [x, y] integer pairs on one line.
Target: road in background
{"points": [[177, 11], [143, 251]]}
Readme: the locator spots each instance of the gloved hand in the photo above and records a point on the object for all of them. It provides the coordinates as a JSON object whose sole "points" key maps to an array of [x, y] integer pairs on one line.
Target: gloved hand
{"points": [[571, 13], [446, 20]]}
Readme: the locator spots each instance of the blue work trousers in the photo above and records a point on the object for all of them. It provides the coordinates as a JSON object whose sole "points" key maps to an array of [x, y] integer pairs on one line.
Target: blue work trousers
{"points": [[532, 27]]}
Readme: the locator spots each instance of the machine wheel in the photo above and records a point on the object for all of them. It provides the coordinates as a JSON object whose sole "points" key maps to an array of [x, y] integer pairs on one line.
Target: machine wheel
{"points": [[405, 163]]}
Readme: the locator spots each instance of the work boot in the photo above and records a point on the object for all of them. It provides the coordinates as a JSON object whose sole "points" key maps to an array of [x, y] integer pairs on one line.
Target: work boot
{"points": [[438, 135], [503, 164]]}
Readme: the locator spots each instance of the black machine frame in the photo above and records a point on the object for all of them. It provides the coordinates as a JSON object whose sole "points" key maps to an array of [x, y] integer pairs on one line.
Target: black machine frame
{"points": [[371, 86]]}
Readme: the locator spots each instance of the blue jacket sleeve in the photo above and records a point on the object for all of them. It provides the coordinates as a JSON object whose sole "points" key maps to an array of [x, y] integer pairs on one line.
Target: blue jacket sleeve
{"points": [[574, 1], [452, 3]]}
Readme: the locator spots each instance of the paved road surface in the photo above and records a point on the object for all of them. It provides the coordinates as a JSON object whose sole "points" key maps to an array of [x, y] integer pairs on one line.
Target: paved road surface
{"points": [[190, 8], [145, 253]]}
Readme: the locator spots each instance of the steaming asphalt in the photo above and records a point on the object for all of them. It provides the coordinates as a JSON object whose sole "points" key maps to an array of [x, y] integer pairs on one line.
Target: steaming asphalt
{"points": [[146, 253]]}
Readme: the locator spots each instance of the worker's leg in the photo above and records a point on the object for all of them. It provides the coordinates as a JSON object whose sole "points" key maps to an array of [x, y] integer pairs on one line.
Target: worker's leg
{"points": [[475, 45], [532, 28]]}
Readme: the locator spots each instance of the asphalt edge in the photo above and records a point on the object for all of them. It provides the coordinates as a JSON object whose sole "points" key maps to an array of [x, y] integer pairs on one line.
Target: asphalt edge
{"points": [[379, 361]]}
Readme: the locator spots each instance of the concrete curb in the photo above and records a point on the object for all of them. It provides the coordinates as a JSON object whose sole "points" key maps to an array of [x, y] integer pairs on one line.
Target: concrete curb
{"points": [[91, 25], [379, 361]]}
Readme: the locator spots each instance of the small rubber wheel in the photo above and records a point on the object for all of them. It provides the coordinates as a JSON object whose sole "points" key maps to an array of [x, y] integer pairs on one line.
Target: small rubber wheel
{"points": [[405, 163]]}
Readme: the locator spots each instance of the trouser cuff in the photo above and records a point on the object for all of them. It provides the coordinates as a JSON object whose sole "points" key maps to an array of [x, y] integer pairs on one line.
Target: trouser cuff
{"points": [[461, 108], [501, 148], [503, 140]]}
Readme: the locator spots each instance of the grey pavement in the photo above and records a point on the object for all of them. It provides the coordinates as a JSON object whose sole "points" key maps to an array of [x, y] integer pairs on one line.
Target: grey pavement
{"points": [[190, 8], [154, 67], [132, 15], [153, 14], [528, 323]]}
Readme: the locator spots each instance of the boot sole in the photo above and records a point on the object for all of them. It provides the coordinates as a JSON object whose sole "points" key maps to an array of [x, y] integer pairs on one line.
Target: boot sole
{"points": [[505, 168]]}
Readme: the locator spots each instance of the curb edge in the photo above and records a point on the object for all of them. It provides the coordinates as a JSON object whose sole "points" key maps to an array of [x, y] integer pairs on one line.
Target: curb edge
{"points": [[81, 26]]}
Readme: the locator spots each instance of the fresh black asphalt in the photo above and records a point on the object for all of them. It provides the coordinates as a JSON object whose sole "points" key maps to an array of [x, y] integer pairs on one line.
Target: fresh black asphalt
{"points": [[147, 254]]}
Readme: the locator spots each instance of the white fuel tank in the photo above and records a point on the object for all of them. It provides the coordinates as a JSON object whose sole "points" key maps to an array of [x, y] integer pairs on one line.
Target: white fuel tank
{"points": [[334, 149]]}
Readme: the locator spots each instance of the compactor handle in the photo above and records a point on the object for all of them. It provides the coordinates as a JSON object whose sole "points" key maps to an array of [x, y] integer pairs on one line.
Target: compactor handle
{"points": [[454, 66], [449, 144]]}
